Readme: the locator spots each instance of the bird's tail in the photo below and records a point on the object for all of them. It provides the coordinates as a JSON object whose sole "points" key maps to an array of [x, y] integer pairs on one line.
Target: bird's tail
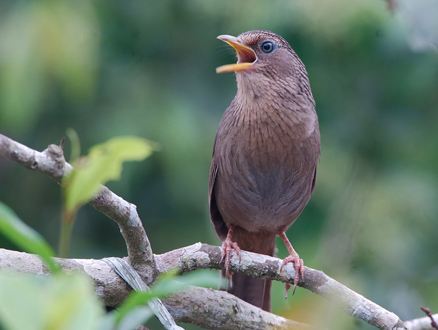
{"points": [[254, 291]]}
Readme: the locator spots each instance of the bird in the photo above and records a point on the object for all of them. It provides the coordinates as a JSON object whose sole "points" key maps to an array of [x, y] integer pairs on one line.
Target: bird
{"points": [[265, 157]]}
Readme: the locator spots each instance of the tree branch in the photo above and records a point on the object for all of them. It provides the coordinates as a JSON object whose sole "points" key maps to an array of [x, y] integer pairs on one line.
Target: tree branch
{"points": [[51, 162], [261, 266], [207, 308], [224, 311]]}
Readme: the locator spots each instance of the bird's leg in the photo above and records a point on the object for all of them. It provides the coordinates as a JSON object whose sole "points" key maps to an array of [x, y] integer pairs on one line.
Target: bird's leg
{"points": [[227, 247], [295, 259]]}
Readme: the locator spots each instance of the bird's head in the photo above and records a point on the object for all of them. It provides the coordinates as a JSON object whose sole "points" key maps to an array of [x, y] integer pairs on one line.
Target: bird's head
{"points": [[264, 60]]}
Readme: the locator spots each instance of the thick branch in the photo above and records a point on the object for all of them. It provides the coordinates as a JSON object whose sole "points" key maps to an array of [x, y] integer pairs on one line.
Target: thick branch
{"points": [[224, 311], [51, 162], [208, 308], [256, 265]]}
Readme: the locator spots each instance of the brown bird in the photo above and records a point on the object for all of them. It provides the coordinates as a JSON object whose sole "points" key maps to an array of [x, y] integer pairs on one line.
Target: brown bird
{"points": [[265, 156]]}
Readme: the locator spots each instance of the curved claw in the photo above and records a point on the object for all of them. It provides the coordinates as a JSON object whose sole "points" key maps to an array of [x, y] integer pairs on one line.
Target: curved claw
{"points": [[299, 271], [228, 246], [295, 259]]}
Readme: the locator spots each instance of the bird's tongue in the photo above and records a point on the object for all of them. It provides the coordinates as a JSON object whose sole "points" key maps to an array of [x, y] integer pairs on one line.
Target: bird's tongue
{"points": [[233, 67]]}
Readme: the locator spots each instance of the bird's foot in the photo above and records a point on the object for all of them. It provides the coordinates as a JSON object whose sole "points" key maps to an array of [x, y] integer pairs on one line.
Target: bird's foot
{"points": [[299, 271], [295, 259], [228, 246]]}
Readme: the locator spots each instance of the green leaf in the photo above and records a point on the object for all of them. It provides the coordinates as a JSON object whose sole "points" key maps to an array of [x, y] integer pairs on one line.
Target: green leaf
{"points": [[103, 163], [25, 237], [166, 285], [134, 318], [75, 144], [169, 283], [135, 299], [64, 301]]}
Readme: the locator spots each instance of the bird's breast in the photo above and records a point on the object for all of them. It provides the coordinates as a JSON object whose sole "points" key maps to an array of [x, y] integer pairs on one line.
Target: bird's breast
{"points": [[266, 165]]}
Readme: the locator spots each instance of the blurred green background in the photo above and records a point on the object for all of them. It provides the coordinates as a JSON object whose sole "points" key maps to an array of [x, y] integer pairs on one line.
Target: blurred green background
{"points": [[146, 68]]}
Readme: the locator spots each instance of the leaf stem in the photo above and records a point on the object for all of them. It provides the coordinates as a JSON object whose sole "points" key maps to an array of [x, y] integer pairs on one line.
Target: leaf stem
{"points": [[68, 219]]}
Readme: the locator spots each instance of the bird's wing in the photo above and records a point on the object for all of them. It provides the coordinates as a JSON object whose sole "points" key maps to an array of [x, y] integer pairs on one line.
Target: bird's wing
{"points": [[313, 180], [215, 216], [317, 148]]}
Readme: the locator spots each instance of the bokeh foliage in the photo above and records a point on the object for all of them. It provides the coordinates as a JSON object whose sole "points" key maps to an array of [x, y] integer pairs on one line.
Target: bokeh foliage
{"points": [[146, 68]]}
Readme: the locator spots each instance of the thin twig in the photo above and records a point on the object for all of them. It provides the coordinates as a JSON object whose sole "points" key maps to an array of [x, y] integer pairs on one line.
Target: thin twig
{"points": [[392, 5], [422, 323], [428, 313]]}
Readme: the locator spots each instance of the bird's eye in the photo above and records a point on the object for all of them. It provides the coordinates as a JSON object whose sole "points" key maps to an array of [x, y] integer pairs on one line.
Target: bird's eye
{"points": [[267, 47]]}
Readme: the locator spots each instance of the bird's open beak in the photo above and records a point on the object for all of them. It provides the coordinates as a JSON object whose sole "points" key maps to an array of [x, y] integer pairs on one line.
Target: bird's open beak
{"points": [[245, 55]]}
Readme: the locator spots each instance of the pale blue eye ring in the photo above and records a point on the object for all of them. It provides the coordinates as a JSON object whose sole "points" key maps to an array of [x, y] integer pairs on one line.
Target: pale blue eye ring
{"points": [[267, 47]]}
